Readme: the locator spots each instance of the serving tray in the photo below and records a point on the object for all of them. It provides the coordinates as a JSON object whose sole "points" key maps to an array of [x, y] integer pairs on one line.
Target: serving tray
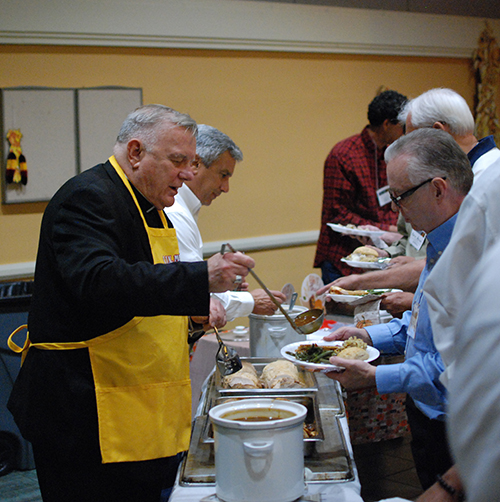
{"points": [[307, 378], [327, 460], [312, 420]]}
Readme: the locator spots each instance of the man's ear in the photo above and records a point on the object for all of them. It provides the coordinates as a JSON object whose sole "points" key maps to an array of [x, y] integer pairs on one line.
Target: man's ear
{"points": [[134, 152], [440, 125], [440, 187]]}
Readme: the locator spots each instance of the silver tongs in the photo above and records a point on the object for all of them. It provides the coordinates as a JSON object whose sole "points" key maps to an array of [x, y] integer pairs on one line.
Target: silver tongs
{"points": [[227, 359]]}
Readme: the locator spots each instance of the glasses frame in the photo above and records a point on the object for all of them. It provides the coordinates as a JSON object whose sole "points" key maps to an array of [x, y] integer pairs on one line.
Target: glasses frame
{"points": [[410, 191]]}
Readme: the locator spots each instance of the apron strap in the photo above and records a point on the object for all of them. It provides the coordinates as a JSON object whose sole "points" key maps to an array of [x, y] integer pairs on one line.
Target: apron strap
{"points": [[13, 346], [68, 345]]}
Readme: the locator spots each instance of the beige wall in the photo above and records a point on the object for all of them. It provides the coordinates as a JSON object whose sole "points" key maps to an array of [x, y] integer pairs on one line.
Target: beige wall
{"points": [[284, 110]]}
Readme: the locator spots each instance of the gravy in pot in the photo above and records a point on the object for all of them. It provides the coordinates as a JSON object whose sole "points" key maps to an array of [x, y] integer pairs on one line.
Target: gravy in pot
{"points": [[258, 415]]}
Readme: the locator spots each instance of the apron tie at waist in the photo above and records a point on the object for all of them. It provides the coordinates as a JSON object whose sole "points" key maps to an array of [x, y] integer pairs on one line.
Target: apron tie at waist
{"points": [[13, 346], [66, 345]]}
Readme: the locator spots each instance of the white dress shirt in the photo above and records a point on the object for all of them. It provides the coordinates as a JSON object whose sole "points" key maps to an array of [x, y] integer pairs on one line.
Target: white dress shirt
{"points": [[474, 391], [476, 229], [184, 216]]}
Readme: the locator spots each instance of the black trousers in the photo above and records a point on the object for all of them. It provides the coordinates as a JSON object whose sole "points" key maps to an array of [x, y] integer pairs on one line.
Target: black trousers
{"points": [[429, 445], [69, 477]]}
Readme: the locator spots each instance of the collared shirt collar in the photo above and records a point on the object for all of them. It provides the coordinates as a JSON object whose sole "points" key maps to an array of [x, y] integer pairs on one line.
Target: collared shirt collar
{"points": [[439, 239], [371, 145], [189, 200], [484, 145]]}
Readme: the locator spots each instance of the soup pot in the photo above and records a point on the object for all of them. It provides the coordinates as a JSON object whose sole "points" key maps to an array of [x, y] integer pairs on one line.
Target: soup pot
{"points": [[268, 333], [259, 450]]}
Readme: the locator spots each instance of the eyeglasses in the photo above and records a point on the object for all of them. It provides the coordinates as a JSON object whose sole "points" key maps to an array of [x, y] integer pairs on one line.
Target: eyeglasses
{"points": [[409, 192]]}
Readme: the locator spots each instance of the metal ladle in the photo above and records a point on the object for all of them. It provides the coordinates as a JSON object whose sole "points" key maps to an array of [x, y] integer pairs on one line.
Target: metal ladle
{"points": [[308, 321], [227, 359]]}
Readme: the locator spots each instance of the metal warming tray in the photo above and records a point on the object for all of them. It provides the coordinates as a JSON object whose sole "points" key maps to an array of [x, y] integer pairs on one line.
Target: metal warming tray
{"points": [[312, 421], [326, 460], [328, 393], [307, 379]]}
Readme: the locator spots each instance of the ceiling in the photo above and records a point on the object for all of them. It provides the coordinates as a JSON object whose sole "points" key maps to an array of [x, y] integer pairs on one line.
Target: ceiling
{"points": [[474, 8]]}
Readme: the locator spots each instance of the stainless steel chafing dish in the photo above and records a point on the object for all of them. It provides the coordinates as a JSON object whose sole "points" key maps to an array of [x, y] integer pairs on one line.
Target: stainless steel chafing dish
{"points": [[307, 379], [326, 458]]}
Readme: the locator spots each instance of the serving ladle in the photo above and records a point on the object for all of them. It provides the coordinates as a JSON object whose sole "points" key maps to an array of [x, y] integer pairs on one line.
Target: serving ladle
{"points": [[227, 359], [305, 323]]}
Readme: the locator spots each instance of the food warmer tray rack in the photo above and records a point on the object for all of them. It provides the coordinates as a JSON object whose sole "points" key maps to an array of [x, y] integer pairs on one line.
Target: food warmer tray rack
{"points": [[328, 392], [326, 460]]}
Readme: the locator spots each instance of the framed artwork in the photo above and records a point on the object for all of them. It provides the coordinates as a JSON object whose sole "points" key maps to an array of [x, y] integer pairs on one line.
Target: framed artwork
{"points": [[50, 135], [45, 119], [101, 111]]}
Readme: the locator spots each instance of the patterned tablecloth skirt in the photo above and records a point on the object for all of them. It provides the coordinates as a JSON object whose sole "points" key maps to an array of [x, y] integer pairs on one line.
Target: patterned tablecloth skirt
{"points": [[376, 417]]}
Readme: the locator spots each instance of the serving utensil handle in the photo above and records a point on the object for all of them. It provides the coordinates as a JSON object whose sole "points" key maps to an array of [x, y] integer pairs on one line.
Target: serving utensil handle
{"points": [[273, 298]]}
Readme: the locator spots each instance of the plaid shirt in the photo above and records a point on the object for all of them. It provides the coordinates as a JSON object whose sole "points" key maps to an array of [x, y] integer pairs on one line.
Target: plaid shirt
{"points": [[354, 171]]}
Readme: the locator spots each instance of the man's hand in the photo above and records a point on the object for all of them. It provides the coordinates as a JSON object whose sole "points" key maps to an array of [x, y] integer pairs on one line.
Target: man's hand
{"points": [[437, 494], [349, 281], [217, 315], [263, 305], [346, 332], [400, 260], [390, 237], [396, 303], [223, 271], [370, 228], [357, 374], [346, 282]]}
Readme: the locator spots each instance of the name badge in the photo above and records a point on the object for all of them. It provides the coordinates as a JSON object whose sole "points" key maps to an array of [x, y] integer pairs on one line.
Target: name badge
{"points": [[383, 196], [412, 327], [417, 239]]}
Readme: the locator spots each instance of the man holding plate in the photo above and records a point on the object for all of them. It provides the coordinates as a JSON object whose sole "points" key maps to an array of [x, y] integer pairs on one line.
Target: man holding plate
{"points": [[429, 175]]}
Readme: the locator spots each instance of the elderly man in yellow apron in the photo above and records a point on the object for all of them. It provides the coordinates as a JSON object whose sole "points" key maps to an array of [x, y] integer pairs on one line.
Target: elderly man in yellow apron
{"points": [[104, 393]]}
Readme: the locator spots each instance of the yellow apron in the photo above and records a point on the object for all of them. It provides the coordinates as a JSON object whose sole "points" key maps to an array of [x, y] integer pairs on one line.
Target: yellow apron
{"points": [[141, 373]]}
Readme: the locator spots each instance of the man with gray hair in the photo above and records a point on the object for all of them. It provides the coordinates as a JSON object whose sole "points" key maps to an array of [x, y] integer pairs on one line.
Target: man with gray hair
{"points": [[429, 175], [217, 154], [444, 109], [104, 392]]}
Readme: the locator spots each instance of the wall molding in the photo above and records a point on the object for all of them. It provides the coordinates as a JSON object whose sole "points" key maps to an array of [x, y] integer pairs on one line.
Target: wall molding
{"points": [[26, 270], [14, 271], [237, 25], [264, 242]]}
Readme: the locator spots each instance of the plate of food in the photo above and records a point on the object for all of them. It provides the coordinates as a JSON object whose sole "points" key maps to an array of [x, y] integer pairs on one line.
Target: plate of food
{"points": [[316, 355], [367, 258], [354, 230], [357, 296]]}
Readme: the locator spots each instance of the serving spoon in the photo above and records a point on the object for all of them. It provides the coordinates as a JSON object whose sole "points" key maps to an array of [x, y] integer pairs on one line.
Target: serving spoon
{"points": [[305, 323]]}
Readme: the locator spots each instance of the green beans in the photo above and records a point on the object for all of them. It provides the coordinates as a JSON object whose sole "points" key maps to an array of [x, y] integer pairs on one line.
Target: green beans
{"points": [[314, 353]]}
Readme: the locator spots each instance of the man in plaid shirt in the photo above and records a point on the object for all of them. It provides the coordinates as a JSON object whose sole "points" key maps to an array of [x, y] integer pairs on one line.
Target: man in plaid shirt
{"points": [[354, 182]]}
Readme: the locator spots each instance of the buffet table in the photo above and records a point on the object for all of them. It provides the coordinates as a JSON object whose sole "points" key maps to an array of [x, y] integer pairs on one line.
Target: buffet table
{"points": [[330, 471], [347, 491]]}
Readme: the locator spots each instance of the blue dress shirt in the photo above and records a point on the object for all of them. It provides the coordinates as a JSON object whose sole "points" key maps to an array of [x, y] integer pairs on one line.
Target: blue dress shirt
{"points": [[418, 375]]}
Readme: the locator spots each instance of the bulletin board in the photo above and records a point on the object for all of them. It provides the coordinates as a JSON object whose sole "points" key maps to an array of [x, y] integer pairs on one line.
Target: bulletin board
{"points": [[46, 119], [101, 112], [64, 131]]}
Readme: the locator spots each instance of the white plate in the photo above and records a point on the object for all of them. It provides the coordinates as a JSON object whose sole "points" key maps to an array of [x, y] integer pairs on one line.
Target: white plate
{"points": [[373, 354], [310, 285], [355, 231], [360, 299], [370, 265]]}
